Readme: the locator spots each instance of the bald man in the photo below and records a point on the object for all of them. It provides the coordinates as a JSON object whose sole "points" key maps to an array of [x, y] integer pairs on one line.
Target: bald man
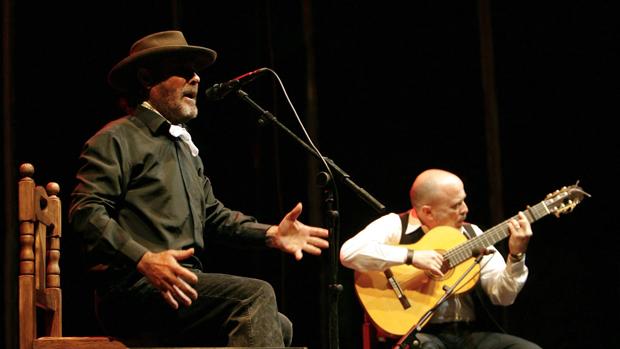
{"points": [[438, 200]]}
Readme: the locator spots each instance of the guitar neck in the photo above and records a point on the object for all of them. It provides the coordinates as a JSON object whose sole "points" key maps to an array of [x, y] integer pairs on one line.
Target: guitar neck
{"points": [[466, 250]]}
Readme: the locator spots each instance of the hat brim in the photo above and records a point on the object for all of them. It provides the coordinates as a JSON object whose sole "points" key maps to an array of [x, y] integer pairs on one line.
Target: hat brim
{"points": [[123, 75]]}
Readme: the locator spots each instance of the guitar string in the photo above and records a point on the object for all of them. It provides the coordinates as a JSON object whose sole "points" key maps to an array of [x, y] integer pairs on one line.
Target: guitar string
{"points": [[463, 251]]}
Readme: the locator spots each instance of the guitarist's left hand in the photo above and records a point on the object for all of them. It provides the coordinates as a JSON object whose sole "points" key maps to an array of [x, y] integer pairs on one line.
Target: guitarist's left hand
{"points": [[520, 233]]}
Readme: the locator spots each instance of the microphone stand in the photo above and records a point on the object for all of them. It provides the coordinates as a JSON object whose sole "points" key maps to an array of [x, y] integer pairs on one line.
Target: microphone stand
{"points": [[326, 182], [332, 216], [410, 339]]}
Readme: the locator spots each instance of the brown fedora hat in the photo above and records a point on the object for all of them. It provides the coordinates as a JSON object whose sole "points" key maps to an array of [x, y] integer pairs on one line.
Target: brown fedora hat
{"points": [[123, 75]]}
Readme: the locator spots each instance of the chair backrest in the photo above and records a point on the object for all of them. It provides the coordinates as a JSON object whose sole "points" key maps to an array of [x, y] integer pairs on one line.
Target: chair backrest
{"points": [[40, 294], [40, 297]]}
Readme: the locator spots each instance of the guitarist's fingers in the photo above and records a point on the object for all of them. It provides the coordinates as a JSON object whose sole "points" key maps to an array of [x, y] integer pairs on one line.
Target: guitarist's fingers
{"points": [[520, 227], [513, 226], [436, 272], [428, 260], [520, 233], [437, 263], [525, 224]]}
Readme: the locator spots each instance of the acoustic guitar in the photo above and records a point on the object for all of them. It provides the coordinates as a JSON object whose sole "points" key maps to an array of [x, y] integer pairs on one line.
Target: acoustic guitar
{"points": [[419, 291]]}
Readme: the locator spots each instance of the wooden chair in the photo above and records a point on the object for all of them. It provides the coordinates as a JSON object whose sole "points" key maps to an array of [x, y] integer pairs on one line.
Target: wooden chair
{"points": [[40, 295], [373, 337]]}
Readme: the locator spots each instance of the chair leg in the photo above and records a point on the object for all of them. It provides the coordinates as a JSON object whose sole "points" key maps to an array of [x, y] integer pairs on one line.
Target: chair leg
{"points": [[367, 335], [373, 337]]}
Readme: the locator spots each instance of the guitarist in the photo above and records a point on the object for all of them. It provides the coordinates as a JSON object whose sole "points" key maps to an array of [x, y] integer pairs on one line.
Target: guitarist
{"points": [[438, 199]]}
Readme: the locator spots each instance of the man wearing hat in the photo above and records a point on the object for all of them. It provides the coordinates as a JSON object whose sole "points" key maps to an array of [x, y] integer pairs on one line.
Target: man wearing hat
{"points": [[143, 206]]}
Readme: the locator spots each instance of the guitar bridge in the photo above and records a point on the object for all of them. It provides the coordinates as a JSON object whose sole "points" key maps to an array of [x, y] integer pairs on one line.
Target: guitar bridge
{"points": [[397, 289]]}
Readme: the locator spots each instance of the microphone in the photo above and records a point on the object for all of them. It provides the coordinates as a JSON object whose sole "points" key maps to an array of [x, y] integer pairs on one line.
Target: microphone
{"points": [[221, 90]]}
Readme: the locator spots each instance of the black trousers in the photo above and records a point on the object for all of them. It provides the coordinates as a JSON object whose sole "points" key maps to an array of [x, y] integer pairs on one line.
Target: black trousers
{"points": [[230, 311]]}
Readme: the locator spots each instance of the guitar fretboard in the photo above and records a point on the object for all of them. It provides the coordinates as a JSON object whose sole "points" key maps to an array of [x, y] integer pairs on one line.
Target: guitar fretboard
{"points": [[470, 248]]}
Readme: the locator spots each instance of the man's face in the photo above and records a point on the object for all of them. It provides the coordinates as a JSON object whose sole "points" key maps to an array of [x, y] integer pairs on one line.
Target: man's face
{"points": [[174, 90], [449, 207]]}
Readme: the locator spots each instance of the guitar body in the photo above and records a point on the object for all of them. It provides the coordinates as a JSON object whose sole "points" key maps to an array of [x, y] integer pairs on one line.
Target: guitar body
{"points": [[421, 289]]}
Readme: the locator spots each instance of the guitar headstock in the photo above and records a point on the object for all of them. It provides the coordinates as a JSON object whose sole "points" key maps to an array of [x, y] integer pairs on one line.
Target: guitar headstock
{"points": [[564, 200]]}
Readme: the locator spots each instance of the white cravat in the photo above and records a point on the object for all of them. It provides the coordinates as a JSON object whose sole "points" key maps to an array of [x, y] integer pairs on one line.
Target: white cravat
{"points": [[180, 132]]}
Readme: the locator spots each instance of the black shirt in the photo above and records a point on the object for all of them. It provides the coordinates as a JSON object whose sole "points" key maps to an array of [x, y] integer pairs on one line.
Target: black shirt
{"points": [[140, 189]]}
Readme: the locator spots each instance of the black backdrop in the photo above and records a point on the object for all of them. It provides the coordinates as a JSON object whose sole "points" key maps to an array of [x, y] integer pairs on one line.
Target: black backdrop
{"points": [[398, 89]]}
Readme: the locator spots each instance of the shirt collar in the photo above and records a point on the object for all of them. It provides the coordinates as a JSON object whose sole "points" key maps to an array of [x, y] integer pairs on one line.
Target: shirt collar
{"points": [[151, 117]]}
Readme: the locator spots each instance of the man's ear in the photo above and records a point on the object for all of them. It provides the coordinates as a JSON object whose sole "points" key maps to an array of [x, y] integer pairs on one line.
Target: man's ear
{"points": [[427, 213]]}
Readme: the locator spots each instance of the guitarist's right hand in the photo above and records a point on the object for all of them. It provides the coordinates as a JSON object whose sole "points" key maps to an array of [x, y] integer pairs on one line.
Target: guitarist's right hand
{"points": [[430, 260]]}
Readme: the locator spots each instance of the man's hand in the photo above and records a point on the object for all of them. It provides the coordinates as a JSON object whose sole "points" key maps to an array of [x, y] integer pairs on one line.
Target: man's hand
{"points": [[520, 234], [430, 260], [294, 237], [167, 275]]}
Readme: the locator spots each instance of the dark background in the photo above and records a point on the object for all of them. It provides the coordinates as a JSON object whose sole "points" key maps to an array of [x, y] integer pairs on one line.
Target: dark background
{"points": [[386, 90]]}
